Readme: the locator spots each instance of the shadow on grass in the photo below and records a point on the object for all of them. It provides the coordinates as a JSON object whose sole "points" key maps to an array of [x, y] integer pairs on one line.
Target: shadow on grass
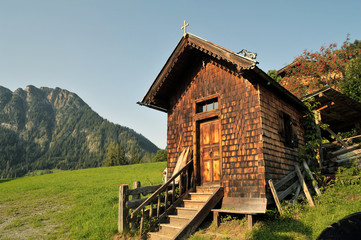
{"points": [[5, 180], [280, 228]]}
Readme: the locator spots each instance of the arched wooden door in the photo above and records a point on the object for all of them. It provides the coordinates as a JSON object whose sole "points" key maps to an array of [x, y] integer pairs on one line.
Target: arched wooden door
{"points": [[209, 147]]}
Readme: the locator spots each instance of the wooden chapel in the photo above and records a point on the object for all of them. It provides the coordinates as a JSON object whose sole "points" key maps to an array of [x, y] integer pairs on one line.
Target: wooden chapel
{"points": [[242, 126]]}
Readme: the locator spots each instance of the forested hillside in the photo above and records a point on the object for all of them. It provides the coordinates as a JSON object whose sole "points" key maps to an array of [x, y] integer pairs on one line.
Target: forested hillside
{"points": [[53, 128]]}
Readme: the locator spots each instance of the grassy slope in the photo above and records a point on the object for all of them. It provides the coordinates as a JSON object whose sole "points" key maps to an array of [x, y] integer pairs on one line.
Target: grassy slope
{"points": [[299, 222], [82, 204], [78, 204]]}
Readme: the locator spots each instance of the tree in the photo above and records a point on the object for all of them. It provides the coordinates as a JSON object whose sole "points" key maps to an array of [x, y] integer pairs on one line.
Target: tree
{"points": [[350, 85], [274, 74], [134, 156], [314, 70], [147, 157], [160, 156], [112, 157], [122, 158]]}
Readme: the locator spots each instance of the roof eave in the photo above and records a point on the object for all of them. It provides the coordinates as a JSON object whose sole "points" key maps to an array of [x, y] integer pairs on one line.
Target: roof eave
{"points": [[274, 84]]}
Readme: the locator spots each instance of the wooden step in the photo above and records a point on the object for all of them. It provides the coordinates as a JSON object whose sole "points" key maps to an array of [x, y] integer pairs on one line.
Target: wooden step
{"points": [[175, 220], [197, 204], [168, 229], [157, 236], [198, 218], [186, 212], [206, 189], [200, 196], [189, 217]]}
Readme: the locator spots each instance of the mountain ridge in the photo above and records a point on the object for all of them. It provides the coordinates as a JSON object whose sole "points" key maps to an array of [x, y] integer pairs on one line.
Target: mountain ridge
{"points": [[45, 128]]}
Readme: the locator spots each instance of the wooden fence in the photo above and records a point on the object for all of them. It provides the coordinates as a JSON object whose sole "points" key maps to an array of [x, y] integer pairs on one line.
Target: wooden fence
{"points": [[131, 199]]}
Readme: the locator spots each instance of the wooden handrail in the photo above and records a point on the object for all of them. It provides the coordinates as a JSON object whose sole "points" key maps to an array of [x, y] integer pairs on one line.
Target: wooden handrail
{"points": [[161, 189]]}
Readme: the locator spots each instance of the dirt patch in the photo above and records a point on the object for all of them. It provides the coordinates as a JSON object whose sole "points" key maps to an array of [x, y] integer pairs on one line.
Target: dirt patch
{"points": [[29, 219], [353, 197]]}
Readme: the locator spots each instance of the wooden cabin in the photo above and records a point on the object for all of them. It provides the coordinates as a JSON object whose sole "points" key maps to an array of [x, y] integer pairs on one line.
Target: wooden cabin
{"points": [[242, 126]]}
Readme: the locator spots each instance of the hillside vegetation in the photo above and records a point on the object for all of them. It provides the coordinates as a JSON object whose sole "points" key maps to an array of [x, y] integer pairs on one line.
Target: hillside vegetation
{"points": [[80, 204], [53, 128]]}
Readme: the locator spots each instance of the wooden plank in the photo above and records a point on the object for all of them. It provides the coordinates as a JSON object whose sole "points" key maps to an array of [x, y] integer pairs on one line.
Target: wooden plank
{"points": [[135, 203], [350, 154], [344, 150], [346, 139], [320, 149], [158, 206], [297, 193], [122, 208], [151, 209], [173, 191], [249, 221], [166, 200], [141, 222], [282, 195], [284, 180], [180, 183], [336, 137], [275, 197], [179, 163], [216, 218], [348, 159], [232, 211], [136, 184], [144, 190], [314, 182], [304, 186], [245, 205]]}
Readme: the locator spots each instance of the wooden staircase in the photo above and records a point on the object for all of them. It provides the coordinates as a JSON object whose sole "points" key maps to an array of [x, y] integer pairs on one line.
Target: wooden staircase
{"points": [[191, 212]]}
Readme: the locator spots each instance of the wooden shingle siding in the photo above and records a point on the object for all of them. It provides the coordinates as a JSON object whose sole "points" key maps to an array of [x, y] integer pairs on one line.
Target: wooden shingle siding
{"points": [[279, 159], [241, 129]]}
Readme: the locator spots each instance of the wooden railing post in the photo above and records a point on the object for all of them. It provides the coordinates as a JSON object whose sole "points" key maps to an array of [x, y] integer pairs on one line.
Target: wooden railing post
{"points": [[136, 184], [123, 211], [180, 184], [173, 192]]}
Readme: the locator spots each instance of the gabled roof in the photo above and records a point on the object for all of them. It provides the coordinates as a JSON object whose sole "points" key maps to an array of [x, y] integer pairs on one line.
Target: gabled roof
{"points": [[189, 52]]}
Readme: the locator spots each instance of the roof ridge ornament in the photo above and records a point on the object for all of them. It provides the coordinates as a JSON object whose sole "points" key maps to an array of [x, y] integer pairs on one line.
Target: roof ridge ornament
{"points": [[184, 27], [247, 54]]}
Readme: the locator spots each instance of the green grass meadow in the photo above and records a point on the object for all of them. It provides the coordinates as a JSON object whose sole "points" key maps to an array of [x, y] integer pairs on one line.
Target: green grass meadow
{"points": [[81, 204]]}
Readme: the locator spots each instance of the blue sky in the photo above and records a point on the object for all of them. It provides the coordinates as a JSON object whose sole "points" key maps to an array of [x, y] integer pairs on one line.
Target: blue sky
{"points": [[109, 52]]}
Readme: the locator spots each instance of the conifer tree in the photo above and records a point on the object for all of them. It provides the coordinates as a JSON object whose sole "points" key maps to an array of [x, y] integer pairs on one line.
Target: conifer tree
{"points": [[112, 156], [122, 158]]}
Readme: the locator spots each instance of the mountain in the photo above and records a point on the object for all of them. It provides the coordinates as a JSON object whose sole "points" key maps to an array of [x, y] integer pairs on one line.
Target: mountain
{"points": [[44, 128]]}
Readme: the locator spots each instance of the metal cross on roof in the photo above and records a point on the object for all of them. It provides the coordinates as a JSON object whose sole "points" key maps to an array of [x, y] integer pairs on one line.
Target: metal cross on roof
{"points": [[185, 26]]}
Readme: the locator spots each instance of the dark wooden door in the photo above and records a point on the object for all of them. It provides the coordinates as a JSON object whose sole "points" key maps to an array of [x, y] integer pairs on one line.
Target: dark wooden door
{"points": [[209, 151]]}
